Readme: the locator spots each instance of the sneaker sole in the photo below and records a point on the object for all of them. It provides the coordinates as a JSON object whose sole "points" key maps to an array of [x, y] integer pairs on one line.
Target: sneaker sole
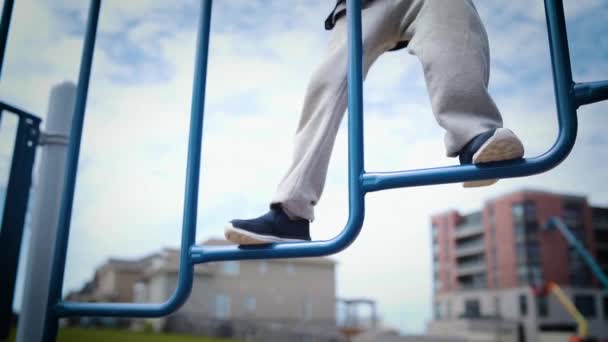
{"points": [[244, 237], [503, 145]]}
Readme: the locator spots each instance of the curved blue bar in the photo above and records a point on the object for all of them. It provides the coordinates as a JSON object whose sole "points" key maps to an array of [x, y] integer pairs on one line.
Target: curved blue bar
{"points": [[355, 154], [587, 93], [566, 109], [186, 269], [202, 254], [179, 297]]}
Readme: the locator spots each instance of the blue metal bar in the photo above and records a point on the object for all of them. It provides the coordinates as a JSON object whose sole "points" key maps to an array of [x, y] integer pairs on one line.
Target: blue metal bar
{"points": [[73, 153], [14, 213], [556, 222], [19, 112], [355, 169], [186, 269], [5, 23], [587, 93], [566, 110]]}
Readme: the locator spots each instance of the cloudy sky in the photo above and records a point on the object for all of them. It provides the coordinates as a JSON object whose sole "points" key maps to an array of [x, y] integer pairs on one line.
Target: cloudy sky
{"points": [[130, 186]]}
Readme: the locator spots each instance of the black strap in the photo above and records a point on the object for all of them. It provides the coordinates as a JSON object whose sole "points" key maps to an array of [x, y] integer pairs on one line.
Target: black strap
{"points": [[330, 22]]}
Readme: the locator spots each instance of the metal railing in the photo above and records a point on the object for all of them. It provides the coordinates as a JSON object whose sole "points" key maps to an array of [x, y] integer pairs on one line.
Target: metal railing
{"points": [[569, 96], [15, 207], [471, 268], [469, 230]]}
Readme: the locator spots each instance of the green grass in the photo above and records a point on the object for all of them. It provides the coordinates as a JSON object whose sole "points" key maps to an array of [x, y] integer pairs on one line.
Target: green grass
{"points": [[108, 335]]}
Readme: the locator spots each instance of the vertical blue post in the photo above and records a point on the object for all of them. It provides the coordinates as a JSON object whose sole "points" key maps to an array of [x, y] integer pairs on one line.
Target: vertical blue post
{"points": [[355, 118], [562, 74], [5, 23], [67, 199]]}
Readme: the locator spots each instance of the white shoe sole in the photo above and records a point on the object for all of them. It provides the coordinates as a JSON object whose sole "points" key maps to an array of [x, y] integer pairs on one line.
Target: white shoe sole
{"points": [[503, 145], [243, 237]]}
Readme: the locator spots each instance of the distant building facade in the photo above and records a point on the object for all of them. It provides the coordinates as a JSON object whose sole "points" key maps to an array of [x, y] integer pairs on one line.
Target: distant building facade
{"points": [[275, 299], [485, 264]]}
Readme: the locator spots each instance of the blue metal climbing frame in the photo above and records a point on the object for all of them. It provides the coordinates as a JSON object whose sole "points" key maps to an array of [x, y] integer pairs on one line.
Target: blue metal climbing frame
{"points": [[569, 97]]}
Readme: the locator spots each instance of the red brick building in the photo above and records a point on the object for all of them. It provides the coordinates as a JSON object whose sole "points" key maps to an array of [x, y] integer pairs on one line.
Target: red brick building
{"points": [[480, 256]]}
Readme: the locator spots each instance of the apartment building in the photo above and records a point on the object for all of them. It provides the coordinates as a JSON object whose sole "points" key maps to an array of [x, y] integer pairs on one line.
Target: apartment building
{"points": [[486, 263]]}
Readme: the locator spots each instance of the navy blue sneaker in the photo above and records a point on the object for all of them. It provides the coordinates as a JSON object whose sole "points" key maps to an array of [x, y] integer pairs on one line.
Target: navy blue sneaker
{"points": [[272, 227], [495, 145]]}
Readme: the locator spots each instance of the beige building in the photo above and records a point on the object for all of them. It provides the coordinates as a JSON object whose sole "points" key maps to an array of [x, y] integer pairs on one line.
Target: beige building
{"points": [[275, 299], [114, 281]]}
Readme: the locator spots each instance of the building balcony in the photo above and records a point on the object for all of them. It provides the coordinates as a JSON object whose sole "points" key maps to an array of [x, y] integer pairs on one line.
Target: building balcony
{"points": [[471, 268], [470, 249], [468, 231]]}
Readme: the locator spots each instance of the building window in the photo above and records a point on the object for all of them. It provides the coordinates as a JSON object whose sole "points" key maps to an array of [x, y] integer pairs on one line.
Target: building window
{"points": [[523, 305], [263, 267], [517, 210], [250, 303], [140, 292], [586, 305], [308, 309], [497, 311], [222, 306], [291, 268], [437, 285], [230, 268], [542, 306], [448, 312], [472, 309], [573, 212], [580, 276], [437, 311]]}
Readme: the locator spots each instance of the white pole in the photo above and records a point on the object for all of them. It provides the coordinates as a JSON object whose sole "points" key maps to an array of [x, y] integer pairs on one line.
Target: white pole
{"points": [[45, 211]]}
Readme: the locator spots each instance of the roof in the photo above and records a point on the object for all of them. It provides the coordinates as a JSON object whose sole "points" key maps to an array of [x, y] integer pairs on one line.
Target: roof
{"points": [[523, 191]]}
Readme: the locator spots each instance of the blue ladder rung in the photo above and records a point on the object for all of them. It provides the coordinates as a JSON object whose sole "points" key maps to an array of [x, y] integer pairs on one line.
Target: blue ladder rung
{"points": [[591, 92]]}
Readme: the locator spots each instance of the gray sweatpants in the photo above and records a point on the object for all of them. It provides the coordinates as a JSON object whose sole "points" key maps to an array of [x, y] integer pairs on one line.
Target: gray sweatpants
{"points": [[450, 41]]}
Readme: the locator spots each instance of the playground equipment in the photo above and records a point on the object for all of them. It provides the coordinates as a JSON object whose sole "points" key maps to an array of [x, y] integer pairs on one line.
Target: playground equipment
{"points": [[15, 207], [569, 96]]}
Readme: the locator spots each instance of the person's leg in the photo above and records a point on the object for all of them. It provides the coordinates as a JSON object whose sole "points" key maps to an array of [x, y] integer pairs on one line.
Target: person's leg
{"points": [[324, 107], [322, 112], [451, 42]]}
